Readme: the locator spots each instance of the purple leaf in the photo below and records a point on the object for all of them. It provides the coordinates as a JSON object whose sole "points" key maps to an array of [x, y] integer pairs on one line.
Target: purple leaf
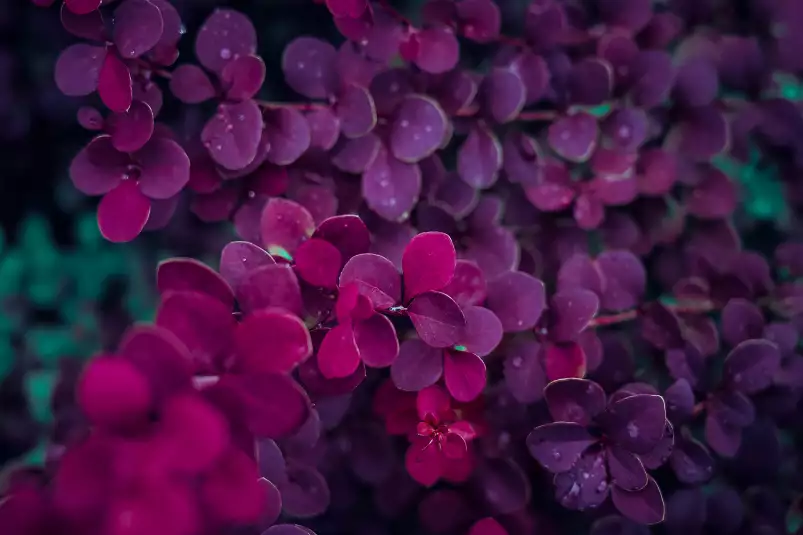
{"points": [[233, 134], [309, 67], [138, 26], [273, 285], [558, 446], [164, 168], [571, 311], [645, 506], [625, 280], [479, 158], [437, 319], [751, 366], [391, 187], [418, 366], [239, 258], [505, 94], [574, 137], [575, 400], [517, 299], [288, 135], [483, 331], [418, 129], [78, 69], [376, 278], [225, 35], [626, 470], [356, 111], [524, 372], [191, 85], [284, 226], [243, 77], [437, 49], [636, 422]]}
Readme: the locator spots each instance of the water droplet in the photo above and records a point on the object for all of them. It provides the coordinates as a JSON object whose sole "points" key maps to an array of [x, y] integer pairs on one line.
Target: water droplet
{"points": [[556, 455], [602, 486], [632, 430], [225, 53], [517, 362]]}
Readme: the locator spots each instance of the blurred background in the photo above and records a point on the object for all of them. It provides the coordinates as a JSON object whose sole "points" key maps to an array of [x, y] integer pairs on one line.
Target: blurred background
{"points": [[65, 293]]}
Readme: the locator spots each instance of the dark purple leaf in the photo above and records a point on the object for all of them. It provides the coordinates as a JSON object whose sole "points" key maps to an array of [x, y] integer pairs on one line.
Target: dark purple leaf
{"points": [[558, 446], [575, 400], [226, 34], [644, 506], [518, 300], [138, 26]]}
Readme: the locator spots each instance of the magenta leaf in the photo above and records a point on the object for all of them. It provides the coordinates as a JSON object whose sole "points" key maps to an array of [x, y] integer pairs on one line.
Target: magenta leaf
{"points": [[114, 84], [130, 130], [271, 341], [113, 393], [566, 359], [338, 355], [428, 263], [274, 405], [318, 262], [243, 77], [188, 274], [464, 374], [159, 356], [377, 341], [204, 324], [123, 212]]}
